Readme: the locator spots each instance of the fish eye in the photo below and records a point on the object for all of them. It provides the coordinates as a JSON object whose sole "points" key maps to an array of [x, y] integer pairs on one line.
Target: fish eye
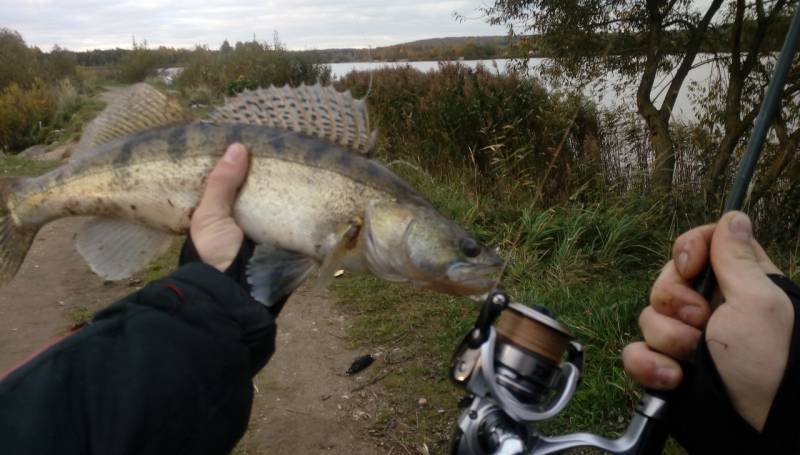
{"points": [[469, 247]]}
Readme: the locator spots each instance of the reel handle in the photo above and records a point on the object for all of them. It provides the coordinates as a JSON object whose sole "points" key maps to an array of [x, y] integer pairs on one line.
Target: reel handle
{"points": [[495, 303], [655, 432]]}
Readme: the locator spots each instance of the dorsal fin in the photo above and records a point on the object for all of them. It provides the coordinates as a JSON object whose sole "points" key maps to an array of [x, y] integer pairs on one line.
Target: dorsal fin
{"points": [[138, 108], [310, 109]]}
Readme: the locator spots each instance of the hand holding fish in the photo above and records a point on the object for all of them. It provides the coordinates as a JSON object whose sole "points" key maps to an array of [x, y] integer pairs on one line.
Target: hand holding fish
{"points": [[215, 234]]}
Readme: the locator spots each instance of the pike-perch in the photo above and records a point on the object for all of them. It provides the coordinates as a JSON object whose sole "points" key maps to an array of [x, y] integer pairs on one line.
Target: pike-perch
{"points": [[312, 199]]}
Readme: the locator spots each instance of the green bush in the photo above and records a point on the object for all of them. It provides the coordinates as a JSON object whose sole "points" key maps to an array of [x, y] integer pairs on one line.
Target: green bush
{"points": [[137, 64], [18, 60], [28, 66], [249, 65], [507, 128], [24, 114]]}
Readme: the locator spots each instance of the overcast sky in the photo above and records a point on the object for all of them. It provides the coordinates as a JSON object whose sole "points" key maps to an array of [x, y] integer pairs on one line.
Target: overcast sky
{"points": [[302, 24]]}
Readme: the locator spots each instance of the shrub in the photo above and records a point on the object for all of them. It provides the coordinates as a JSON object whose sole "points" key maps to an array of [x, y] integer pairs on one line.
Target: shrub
{"points": [[137, 64], [507, 128], [24, 114], [18, 60], [249, 65]]}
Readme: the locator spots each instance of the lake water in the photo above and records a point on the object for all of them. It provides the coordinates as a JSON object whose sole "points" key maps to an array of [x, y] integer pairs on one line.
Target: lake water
{"points": [[602, 93]]}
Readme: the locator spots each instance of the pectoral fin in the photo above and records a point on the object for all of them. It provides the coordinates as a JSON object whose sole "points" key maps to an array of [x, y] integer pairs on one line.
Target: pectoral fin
{"points": [[273, 273], [116, 249], [331, 263]]}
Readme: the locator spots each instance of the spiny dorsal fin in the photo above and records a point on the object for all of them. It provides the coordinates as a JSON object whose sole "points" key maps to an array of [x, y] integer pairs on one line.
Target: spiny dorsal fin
{"points": [[310, 109], [138, 108]]}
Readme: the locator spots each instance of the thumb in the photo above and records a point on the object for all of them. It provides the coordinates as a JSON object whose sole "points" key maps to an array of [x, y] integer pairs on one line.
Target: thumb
{"points": [[223, 183], [734, 259]]}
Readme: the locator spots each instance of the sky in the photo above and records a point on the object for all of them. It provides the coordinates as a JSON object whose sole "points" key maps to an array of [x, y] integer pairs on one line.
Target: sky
{"points": [[301, 24]]}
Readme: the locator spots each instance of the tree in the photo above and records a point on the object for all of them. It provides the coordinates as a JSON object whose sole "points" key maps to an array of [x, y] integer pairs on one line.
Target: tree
{"points": [[19, 60], [744, 72], [60, 63], [640, 40], [226, 48]]}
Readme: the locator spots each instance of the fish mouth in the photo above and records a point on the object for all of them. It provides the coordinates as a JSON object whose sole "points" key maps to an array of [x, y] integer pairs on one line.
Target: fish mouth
{"points": [[467, 279]]}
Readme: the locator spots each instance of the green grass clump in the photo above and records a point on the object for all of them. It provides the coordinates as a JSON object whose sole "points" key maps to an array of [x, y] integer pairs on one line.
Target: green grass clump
{"points": [[165, 264], [78, 316], [592, 264]]}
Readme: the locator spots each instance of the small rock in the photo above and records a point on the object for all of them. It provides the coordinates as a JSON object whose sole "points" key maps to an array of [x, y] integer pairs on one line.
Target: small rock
{"points": [[422, 401]]}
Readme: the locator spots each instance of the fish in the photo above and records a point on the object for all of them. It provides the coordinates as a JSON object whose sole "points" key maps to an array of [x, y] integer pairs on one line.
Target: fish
{"points": [[314, 202]]}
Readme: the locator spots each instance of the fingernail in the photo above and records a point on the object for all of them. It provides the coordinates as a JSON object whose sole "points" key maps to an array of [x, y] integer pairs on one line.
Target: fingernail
{"points": [[682, 261], [666, 376], [234, 153], [691, 314], [741, 227]]}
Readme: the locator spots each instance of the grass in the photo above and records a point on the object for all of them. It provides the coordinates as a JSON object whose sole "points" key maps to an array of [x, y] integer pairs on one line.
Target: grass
{"points": [[163, 265], [19, 166], [78, 315], [591, 264]]}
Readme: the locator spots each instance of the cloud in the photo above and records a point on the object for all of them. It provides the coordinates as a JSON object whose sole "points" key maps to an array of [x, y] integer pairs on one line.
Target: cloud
{"points": [[89, 24]]}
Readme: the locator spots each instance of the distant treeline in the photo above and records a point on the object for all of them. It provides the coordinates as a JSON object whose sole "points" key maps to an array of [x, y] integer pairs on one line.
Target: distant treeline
{"points": [[103, 57], [472, 48], [454, 48]]}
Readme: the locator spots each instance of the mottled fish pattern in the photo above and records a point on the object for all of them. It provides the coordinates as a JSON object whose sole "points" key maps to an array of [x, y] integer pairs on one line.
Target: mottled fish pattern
{"points": [[312, 200]]}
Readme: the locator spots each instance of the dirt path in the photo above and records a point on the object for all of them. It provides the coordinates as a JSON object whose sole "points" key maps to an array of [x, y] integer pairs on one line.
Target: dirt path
{"points": [[304, 402]]}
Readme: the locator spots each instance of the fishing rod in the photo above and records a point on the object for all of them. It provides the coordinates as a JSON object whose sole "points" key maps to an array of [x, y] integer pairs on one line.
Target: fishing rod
{"points": [[521, 365]]}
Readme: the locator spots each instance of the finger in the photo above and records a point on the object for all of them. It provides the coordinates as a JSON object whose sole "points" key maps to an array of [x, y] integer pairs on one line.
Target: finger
{"points": [[737, 264], [223, 183], [690, 251], [651, 369], [672, 295], [668, 335]]}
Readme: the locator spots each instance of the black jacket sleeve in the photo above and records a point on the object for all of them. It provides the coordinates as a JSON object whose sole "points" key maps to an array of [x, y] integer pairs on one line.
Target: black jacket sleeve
{"points": [[703, 419], [165, 370]]}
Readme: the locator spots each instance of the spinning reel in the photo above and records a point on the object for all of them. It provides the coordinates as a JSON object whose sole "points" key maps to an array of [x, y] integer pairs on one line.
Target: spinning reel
{"points": [[522, 366]]}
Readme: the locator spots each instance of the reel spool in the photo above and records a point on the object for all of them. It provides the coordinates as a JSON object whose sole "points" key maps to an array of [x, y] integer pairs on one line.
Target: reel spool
{"points": [[517, 373], [529, 347]]}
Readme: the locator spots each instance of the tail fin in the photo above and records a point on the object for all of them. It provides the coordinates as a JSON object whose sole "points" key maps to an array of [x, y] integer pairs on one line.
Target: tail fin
{"points": [[15, 241]]}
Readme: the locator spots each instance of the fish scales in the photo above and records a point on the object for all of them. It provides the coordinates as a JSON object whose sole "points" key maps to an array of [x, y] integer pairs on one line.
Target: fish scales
{"points": [[129, 178]]}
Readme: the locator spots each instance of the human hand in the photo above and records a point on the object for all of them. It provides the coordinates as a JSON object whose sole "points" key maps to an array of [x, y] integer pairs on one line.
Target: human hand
{"points": [[748, 336], [215, 234]]}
